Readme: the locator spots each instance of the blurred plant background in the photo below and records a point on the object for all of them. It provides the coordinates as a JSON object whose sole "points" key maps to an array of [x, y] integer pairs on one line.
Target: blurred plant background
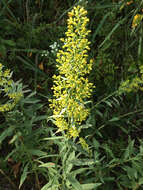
{"points": [[32, 154]]}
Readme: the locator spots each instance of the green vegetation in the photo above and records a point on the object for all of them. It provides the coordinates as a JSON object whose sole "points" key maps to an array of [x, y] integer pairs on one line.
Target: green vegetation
{"points": [[71, 87]]}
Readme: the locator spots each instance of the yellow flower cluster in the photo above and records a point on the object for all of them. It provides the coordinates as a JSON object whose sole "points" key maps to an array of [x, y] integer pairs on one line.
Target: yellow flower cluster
{"points": [[71, 87], [136, 20], [6, 89], [133, 85]]}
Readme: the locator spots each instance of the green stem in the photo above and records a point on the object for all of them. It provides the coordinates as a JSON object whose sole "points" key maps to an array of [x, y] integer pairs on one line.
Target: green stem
{"points": [[30, 160]]}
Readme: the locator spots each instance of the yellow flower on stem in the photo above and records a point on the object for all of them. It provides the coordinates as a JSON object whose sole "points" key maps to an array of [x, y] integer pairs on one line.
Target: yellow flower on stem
{"points": [[71, 87]]}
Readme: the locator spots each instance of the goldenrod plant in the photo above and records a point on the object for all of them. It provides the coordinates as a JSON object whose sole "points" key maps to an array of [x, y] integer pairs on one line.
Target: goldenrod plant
{"points": [[72, 87], [32, 153], [8, 88], [133, 85]]}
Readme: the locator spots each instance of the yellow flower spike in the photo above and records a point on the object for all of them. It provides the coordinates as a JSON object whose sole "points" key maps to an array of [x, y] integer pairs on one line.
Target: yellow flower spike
{"points": [[6, 86], [71, 87]]}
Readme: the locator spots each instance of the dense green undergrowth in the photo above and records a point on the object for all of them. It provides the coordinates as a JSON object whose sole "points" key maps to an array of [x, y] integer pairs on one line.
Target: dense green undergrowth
{"points": [[98, 143]]}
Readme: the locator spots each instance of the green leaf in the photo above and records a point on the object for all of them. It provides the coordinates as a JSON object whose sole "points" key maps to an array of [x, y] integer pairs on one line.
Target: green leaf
{"points": [[78, 171], [53, 138], [9, 42], [129, 150], [108, 103], [53, 183], [23, 176], [140, 181], [3, 50], [39, 118], [100, 26], [15, 137], [90, 186], [99, 113], [83, 162], [108, 150], [48, 165], [50, 186], [69, 165], [96, 143], [140, 46], [37, 152], [131, 172], [46, 187], [6, 133], [114, 119], [112, 31], [76, 185]]}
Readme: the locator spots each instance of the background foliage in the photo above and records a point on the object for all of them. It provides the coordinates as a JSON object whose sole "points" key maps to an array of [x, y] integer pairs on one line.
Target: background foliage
{"points": [[32, 154]]}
